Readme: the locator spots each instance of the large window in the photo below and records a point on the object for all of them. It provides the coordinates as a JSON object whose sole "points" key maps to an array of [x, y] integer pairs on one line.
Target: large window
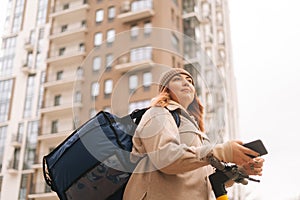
{"points": [[3, 133], [109, 60], [42, 12], [147, 79], [141, 5], [141, 53], [31, 143], [5, 98], [95, 89], [18, 16], [28, 105], [97, 63], [98, 39], [7, 56], [99, 16], [110, 36], [133, 83], [108, 86], [111, 13], [147, 28], [134, 31], [25, 181]]}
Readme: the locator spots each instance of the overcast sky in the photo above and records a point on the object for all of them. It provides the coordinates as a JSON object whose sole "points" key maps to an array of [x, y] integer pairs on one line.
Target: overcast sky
{"points": [[265, 41]]}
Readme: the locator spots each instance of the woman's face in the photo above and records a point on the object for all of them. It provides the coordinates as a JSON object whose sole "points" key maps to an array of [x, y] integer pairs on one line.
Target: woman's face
{"points": [[182, 90]]}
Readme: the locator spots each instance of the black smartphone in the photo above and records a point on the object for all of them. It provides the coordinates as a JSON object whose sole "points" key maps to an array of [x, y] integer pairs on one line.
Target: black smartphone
{"points": [[257, 146]]}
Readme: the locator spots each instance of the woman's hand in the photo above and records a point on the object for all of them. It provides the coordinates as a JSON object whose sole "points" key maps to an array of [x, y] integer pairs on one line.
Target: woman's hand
{"points": [[253, 167], [241, 154], [235, 152]]}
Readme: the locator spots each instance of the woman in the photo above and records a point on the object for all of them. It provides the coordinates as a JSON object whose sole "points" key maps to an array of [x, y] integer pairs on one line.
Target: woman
{"points": [[173, 160]]}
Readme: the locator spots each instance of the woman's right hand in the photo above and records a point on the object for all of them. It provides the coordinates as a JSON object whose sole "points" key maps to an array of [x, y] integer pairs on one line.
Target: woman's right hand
{"points": [[234, 151]]}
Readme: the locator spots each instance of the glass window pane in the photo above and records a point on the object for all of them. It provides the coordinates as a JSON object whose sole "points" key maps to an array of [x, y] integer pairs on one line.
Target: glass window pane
{"points": [[108, 86], [99, 15], [133, 82], [97, 63]]}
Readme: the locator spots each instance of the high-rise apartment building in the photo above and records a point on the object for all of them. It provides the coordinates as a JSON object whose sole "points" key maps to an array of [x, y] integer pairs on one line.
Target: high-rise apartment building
{"points": [[63, 60]]}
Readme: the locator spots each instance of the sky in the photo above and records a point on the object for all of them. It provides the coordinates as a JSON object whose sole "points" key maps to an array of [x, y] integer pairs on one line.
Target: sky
{"points": [[265, 47], [265, 52]]}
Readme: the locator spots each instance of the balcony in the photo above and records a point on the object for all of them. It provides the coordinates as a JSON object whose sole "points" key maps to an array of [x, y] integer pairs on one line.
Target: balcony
{"points": [[68, 56], [28, 68], [29, 45], [62, 83], [139, 10], [16, 140], [136, 65], [60, 109], [77, 8], [72, 33], [13, 166], [59, 136]]}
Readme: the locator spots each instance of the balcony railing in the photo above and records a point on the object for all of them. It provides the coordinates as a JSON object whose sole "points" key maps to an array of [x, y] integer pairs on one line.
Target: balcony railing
{"points": [[56, 56], [74, 30], [139, 10], [69, 6]]}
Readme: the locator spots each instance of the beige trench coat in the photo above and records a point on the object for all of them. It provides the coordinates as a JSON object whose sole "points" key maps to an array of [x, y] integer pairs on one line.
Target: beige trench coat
{"points": [[173, 164]]}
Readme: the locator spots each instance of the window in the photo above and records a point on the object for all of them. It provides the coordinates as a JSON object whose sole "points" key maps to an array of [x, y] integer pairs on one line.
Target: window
{"points": [[93, 112], [3, 133], [65, 6], [81, 47], [54, 126], [78, 97], [147, 79], [79, 72], [133, 83], [111, 13], [29, 96], [110, 35], [64, 28], [42, 12], [109, 61], [61, 51], [134, 31], [175, 41], [5, 99], [59, 75], [24, 186], [98, 39], [96, 63], [99, 16], [137, 105], [95, 89], [108, 86], [141, 53], [31, 143], [83, 23], [147, 28], [57, 100]]}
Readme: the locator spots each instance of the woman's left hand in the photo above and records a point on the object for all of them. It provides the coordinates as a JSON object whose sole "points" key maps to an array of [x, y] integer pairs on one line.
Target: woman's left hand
{"points": [[254, 167]]}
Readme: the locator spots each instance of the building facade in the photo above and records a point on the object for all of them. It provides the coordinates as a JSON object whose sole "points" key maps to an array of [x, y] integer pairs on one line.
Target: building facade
{"points": [[62, 61]]}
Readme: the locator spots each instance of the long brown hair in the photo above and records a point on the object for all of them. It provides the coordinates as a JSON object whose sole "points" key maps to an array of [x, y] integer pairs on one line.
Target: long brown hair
{"points": [[195, 108]]}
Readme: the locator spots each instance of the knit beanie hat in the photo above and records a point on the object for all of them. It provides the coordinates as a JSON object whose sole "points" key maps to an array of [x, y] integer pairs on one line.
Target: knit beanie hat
{"points": [[168, 75]]}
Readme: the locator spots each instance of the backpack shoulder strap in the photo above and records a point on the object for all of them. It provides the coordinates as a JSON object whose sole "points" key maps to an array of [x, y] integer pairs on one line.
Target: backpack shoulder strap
{"points": [[138, 114], [176, 116]]}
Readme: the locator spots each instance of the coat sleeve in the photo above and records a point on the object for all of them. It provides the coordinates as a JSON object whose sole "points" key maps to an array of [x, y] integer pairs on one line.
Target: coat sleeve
{"points": [[158, 137]]}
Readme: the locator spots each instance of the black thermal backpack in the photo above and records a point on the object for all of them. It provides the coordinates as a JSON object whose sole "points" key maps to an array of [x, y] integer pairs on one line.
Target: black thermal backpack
{"points": [[93, 162]]}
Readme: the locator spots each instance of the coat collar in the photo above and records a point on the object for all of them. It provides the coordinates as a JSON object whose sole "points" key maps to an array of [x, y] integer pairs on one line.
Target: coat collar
{"points": [[173, 105]]}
